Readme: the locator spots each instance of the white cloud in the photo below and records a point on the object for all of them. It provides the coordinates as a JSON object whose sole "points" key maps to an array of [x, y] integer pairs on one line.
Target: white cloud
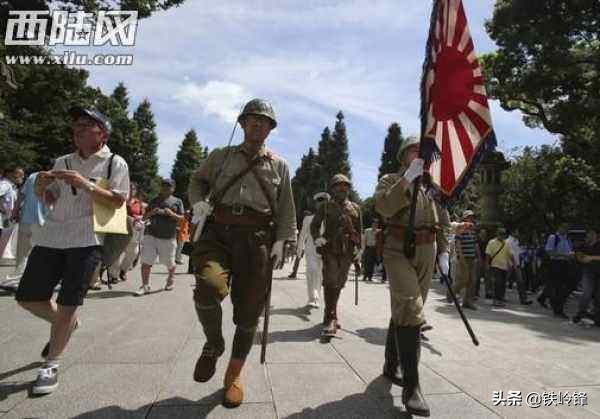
{"points": [[214, 98]]}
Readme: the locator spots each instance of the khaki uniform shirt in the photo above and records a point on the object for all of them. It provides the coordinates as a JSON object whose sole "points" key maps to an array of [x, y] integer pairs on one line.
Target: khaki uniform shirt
{"points": [[225, 163], [392, 200], [342, 236]]}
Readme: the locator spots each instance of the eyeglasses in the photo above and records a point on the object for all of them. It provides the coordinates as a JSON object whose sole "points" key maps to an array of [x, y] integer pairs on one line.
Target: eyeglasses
{"points": [[85, 124]]}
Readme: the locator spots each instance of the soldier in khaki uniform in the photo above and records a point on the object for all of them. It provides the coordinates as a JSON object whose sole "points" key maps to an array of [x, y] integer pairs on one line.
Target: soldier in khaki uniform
{"points": [[252, 214], [410, 279], [339, 245]]}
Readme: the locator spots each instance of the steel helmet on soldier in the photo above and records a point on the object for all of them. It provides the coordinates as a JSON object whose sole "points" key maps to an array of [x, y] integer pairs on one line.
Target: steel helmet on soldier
{"points": [[259, 107], [409, 141], [339, 178]]}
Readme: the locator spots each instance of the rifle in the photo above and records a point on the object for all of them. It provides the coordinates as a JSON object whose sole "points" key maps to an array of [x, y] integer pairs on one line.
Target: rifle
{"points": [[446, 280]]}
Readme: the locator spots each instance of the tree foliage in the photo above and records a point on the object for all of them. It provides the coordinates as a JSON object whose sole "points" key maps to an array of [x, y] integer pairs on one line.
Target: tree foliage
{"points": [[189, 156], [548, 66], [544, 187], [393, 141]]}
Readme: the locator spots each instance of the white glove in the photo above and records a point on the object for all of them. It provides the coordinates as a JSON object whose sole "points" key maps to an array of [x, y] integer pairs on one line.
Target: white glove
{"points": [[444, 263], [320, 241], [277, 253], [358, 256], [414, 170], [201, 209]]}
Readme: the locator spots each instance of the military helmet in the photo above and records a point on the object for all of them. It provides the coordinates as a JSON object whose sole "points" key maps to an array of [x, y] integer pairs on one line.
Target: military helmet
{"points": [[258, 107], [339, 178], [409, 141]]}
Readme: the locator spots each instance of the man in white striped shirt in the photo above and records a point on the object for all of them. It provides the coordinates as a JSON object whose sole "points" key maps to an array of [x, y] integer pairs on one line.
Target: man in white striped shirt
{"points": [[67, 250]]}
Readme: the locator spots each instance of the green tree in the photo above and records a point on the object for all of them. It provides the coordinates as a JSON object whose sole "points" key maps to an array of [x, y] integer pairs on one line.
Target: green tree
{"points": [[36, 113], [393, 141], [333, 157], [548, 66], [544, 187], [146, 163], [189, 156], [121, 95], [306, 183]]}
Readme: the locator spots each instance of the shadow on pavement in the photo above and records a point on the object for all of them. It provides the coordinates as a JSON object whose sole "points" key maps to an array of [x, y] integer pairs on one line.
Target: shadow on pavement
{"points": [[359, 405], [109, 294], [297, 335], [301, 312], [530, 317], [11, 387], [207, 404]]}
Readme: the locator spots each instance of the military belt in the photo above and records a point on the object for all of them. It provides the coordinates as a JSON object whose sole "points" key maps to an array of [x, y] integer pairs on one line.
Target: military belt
{"points": [[422, 235], [240, 215]]}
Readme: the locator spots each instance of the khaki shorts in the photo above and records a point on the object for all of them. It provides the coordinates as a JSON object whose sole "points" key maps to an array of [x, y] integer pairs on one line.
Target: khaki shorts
{"points": [[163, 249]]}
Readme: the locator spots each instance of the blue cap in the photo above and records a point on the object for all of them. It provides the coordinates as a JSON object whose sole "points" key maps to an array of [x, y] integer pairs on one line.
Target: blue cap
{"points": [[95, 114]]}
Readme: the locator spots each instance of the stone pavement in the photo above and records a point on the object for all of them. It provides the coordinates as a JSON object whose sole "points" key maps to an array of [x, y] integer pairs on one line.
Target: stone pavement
{"points": [[133, 358]]}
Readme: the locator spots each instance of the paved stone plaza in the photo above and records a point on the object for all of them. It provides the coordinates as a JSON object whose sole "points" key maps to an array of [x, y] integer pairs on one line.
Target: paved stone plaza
{"points": [[133, 358]]}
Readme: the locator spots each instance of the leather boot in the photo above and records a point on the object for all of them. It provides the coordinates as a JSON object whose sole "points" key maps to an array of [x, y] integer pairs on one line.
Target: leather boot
{"points": [[330, 321], [390, 367], [409, 346], [232, 383], [210, 318]]}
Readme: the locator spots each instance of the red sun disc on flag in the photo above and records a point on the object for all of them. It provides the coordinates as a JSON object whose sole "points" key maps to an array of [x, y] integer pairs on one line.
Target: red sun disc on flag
{"points": [[458, 116]]}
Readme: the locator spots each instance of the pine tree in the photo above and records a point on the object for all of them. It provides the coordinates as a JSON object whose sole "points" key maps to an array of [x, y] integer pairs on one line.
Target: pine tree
{"points": [[306, 183], [393, 141], [121, 95], [340, 163], [324, 157], [125, 136], [188, 159], [146, 165]]}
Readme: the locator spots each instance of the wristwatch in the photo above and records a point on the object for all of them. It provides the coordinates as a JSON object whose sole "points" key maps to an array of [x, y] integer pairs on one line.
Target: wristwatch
{"points": [[90, 187]]}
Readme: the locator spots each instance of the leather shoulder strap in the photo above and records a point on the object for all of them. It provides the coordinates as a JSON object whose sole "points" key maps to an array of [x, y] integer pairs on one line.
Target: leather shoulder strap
{"points": [[218, 195]]}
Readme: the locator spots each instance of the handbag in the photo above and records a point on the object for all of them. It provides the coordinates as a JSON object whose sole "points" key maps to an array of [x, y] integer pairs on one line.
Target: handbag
{"points": [[116, 225]]}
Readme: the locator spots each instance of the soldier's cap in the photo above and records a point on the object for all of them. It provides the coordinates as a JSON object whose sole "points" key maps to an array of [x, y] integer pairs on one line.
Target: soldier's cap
{"points": [[168, 182], [322, 195], [467, 213], [91, 112], [408, 142], [339, 178]]}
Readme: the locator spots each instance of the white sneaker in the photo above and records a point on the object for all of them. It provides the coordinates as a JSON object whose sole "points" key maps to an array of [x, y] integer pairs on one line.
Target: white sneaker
{"points": [[144, 289], [313, 304], [46, 382]]}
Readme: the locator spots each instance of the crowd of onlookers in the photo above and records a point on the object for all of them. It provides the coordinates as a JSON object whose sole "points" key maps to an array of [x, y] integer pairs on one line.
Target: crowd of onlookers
{"points": [[552, 267]]}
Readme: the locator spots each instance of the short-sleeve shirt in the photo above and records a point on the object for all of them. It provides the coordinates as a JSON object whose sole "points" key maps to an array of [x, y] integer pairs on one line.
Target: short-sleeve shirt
{"points": [[502, 259], [33, 210], [70, 222], [468, 243], [164, 226], [8, 197]]}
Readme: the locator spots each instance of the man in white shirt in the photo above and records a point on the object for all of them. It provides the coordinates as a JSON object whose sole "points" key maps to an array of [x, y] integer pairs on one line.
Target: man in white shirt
{"points": [[9, 187], [67, 250], [314, 261]]}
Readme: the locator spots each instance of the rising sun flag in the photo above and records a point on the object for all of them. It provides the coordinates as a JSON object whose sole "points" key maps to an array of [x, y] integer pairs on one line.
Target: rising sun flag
{"points": [[456, 124]]}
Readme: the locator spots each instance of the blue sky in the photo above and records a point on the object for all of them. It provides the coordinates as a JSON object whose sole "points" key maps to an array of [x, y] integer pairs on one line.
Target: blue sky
{"points": [[199, 63]]}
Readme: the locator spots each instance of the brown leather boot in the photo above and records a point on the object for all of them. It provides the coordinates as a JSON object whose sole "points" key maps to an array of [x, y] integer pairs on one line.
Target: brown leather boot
{"points": [[207, 363], [232, 383]]}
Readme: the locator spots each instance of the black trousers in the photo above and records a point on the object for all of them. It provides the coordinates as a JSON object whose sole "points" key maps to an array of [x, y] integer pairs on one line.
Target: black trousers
{"points": [[558, 284]]}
